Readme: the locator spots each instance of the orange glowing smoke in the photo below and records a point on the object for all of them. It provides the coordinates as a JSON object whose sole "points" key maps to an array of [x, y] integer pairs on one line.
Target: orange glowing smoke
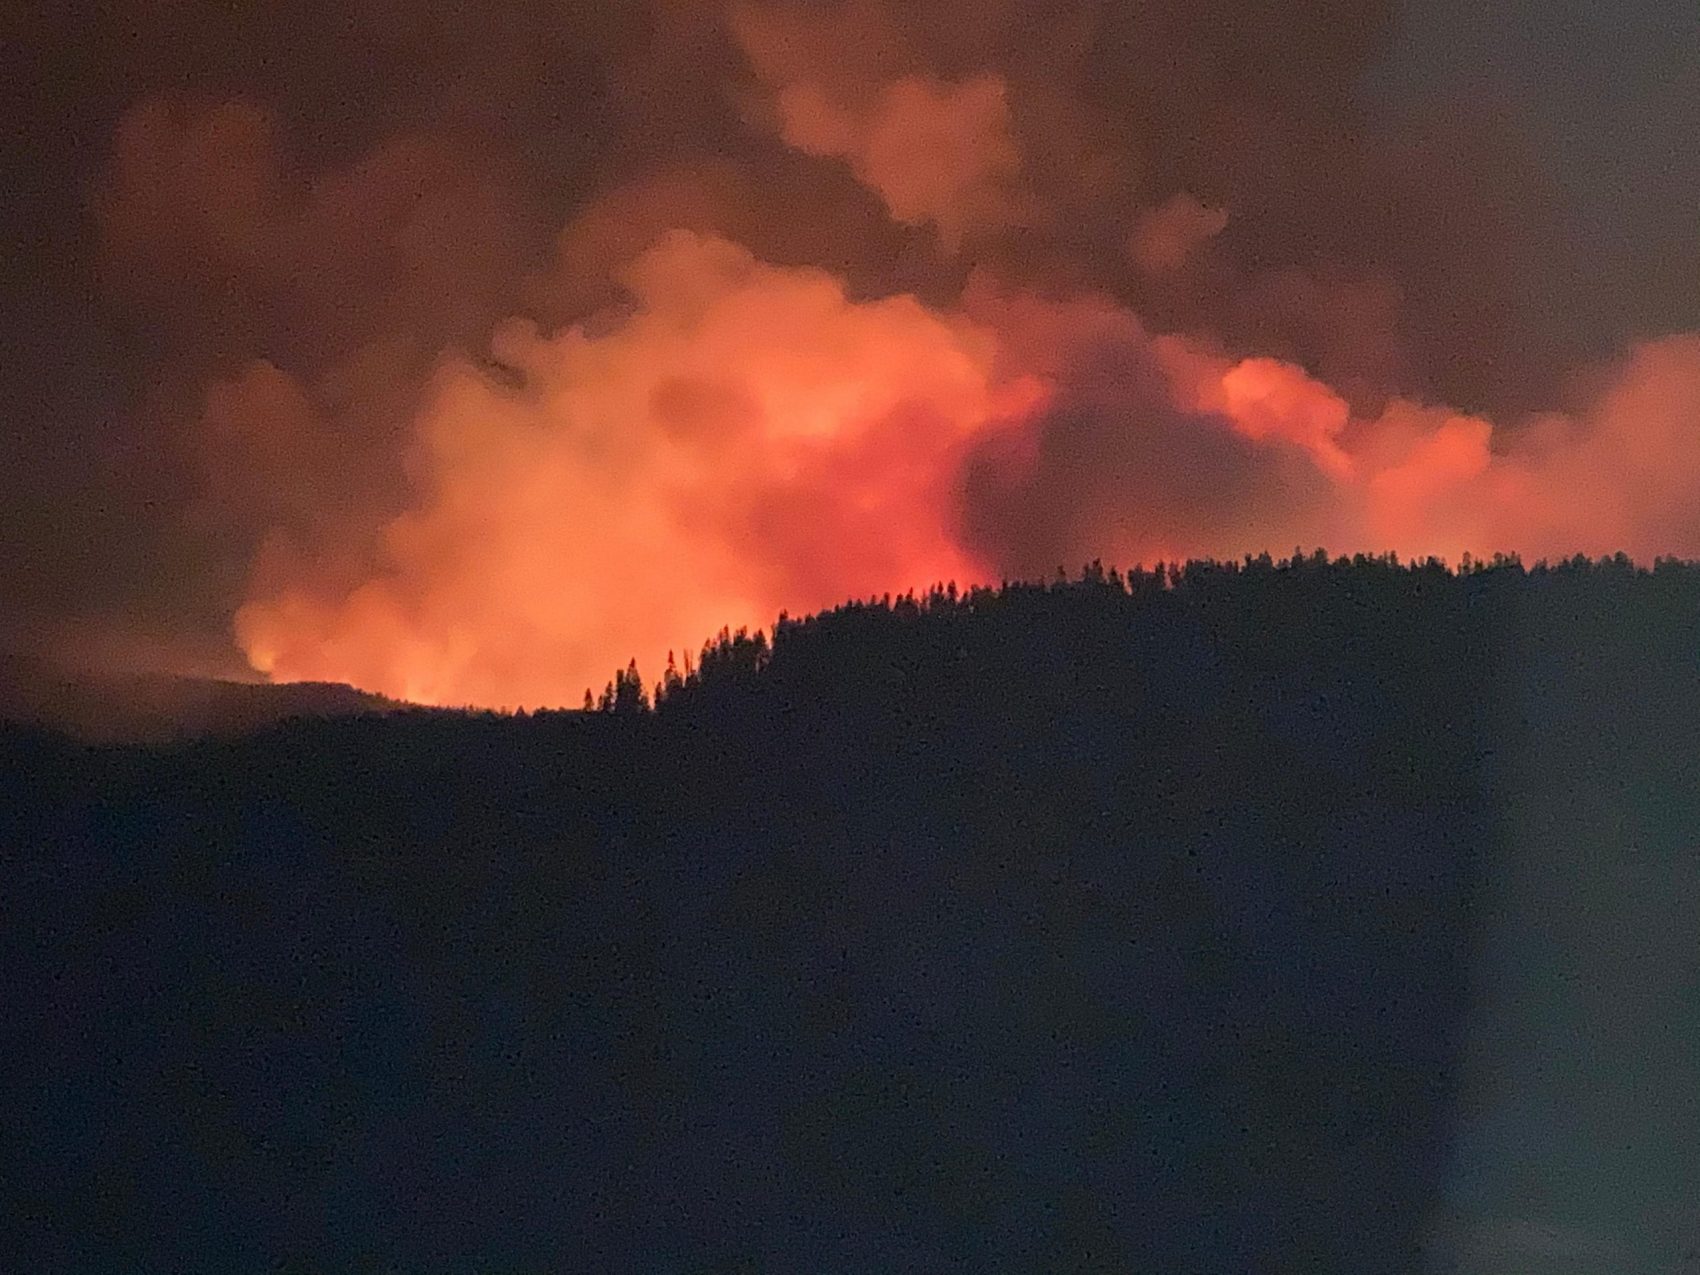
{"points": [[747, 438], [938, 152], [683, 435]]}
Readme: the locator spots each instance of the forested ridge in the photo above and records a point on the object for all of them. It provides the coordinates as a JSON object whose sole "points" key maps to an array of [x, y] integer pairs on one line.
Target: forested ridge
{"points": [[1119, 923]]}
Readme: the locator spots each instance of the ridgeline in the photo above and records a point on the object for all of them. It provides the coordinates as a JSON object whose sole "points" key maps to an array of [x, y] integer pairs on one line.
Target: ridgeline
{"points": [[1123, 923]]}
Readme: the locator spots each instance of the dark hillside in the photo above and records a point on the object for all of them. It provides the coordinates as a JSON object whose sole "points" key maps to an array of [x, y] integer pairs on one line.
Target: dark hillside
{"points": [[160, 708], [1124, 924]]}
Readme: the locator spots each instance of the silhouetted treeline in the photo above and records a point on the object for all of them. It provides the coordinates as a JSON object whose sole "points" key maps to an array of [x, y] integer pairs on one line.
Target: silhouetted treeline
{"points": [[1121, 923]]}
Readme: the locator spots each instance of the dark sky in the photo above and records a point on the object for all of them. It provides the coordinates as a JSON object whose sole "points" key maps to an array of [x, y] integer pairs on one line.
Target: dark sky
{"points": [[1459, 202], [1607, 98]]}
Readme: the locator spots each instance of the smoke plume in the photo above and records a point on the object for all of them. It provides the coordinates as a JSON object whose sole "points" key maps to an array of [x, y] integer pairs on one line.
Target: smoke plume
{"points": [[467, 360]]}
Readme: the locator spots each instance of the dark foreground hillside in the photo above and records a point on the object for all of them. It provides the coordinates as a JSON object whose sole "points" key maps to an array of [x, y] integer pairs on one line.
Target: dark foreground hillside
{"points": [[1123, 925], [160, 709]]}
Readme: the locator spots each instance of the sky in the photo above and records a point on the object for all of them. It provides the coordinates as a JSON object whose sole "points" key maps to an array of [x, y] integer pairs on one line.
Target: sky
{"points": [[1606, 99], [463, 353]]}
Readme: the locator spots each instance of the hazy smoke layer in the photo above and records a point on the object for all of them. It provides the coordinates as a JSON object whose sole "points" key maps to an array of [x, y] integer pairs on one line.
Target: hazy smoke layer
{"points": [[472, 357]]}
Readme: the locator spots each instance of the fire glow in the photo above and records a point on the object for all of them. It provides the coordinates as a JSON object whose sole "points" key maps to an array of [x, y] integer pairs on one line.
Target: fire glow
{"points": [[748, 439], [700, 429]]}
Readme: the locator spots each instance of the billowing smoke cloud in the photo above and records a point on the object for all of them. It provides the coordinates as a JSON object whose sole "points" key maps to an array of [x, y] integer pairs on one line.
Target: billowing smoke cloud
{"points": [[469, 359], [747, 438], [294, 316], [938, 152]]}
